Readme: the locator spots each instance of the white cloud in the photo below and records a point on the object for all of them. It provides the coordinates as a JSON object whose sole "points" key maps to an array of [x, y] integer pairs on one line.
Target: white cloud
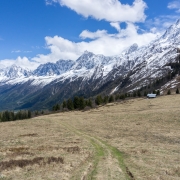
{"points": [[109, 10], [116, 26], [50, 2], [19, 51], [174, 5], [23, 62], [101, 43], [16, 51], [93, 35], [160, 24]]}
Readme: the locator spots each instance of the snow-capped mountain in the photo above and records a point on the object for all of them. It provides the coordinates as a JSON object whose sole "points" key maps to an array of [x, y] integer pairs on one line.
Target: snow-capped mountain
{"points": [[13, 72], [51, 69], [91, 74]]}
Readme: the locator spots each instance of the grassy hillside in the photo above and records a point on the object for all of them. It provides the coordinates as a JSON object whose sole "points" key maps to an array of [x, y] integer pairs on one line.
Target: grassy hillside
{"points": [[136, 139]]}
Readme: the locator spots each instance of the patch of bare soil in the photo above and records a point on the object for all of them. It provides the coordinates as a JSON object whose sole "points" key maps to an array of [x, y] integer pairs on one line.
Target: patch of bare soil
{"points": [[6, 165]]}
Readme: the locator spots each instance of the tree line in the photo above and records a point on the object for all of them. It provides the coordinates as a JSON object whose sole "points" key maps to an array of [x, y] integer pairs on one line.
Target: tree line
{"points": [[13, 116]]}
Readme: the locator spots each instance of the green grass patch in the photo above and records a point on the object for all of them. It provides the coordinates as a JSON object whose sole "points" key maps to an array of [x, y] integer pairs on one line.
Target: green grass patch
{"points": [[99, 153]]}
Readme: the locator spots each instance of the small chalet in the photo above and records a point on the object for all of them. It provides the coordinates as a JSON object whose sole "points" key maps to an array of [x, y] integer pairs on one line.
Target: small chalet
{"points": [[151, 95]]}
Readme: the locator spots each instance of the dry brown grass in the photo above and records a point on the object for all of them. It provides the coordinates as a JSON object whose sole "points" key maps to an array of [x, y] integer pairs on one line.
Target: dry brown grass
{"points": [[145, 131]]}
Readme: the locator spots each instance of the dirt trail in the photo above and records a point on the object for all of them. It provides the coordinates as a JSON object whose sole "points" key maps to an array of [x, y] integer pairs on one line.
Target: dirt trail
{"points": [[106, 162]]}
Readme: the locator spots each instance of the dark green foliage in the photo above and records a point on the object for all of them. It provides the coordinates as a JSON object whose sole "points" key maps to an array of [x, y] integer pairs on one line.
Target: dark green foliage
{"points": [[122, 96], [106, 99], [154, 92], [145, 93], [139, 94], [89, 103], [29, 114], [177, 91], [117, 97], [98, 100], [82, 103], [11, 116], [70, 105], [111, 99], [76, 102], [56, 107], [64, 104], [169, 92], [134, 94], [36, 113], [158, 92]]}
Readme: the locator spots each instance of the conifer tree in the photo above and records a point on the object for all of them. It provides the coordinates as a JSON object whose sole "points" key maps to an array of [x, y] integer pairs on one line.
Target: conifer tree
{"points": [[122, 96], [177, 91], [64, 104], [106, 99], [82, 103], [158, 92], [70, 105], [139, 94], [169, 92], [29, 114], [134, 94], [57, 107], [98, 100], [145, 93], [111, 99], [89, 103], [117, 97], [76, 102]]}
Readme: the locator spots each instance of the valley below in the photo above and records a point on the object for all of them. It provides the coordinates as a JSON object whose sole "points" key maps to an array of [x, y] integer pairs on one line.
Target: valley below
{"points": [[135, 139]]}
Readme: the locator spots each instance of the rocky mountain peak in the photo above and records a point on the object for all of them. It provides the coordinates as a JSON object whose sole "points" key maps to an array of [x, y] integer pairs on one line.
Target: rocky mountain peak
{"points": [[132, 48]]}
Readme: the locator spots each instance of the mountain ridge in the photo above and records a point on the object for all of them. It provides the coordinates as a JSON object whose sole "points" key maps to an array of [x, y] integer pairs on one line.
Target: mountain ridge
{"points": [[91, 73]]}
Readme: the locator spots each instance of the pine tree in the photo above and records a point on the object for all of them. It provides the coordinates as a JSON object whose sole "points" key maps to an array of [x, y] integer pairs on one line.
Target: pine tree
{"points": [[89, 103], [64, 104], [177, 91], [98, 100], [117, 97], [169, 92], [158, 92], [134, 94], [82, 103], [106, 99], [54, 108], [70, 105], [29, 114], [122, 96], [111, 99], [76, 102], [139, 94], [145, 93]]}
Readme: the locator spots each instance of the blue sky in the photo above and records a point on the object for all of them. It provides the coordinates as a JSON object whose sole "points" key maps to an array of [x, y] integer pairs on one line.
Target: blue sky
{"points": [[49, 30]]}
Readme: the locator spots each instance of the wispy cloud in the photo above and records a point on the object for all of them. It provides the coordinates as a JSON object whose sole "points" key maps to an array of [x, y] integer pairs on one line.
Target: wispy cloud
{"points": [[19, 61], [16, 51], [161, 23], [19, 51], [27, 51], [174, 5], [109, 10], [100, 42], [50, 2]]}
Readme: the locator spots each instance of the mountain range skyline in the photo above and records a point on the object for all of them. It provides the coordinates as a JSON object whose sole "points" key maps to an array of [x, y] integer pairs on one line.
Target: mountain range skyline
{"points": [[49, 30]]}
